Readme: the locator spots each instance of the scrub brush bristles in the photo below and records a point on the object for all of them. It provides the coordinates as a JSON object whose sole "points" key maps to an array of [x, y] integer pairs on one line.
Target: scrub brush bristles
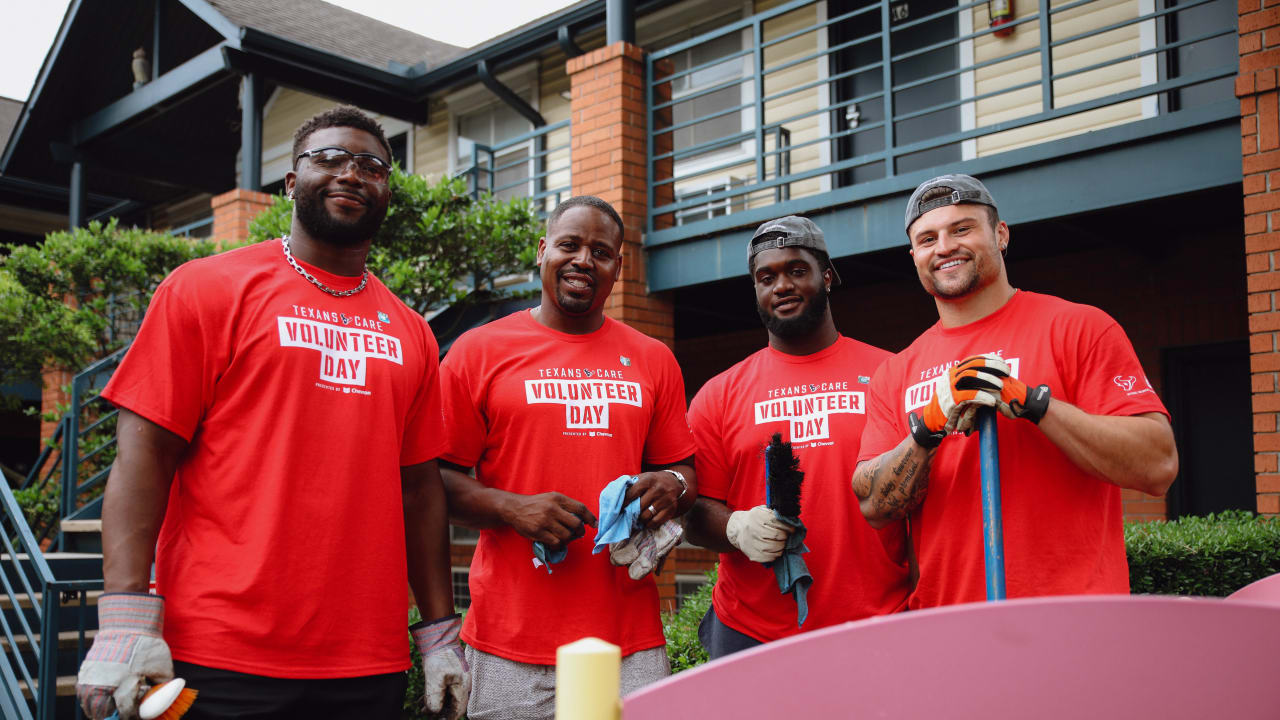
{"points": [[782, 477], [167, 701]]}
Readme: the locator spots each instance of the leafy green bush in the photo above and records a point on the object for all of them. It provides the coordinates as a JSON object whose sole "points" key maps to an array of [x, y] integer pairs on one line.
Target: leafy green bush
{"points": [[1213, 555], [437, 244], [70, 298], [681, 628]]}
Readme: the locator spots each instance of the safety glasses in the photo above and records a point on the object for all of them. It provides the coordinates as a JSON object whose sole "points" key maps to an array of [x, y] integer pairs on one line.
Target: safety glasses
{"points": [[335, 161]]}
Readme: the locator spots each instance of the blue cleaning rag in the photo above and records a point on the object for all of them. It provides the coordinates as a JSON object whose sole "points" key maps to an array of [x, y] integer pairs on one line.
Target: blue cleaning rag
{"points": [[790, 570], [616, 521], [548, 558]]}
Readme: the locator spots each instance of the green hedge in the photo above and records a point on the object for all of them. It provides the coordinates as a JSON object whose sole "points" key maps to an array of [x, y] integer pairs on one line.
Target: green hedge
{"points": [[681, 628], [1213, 555]]}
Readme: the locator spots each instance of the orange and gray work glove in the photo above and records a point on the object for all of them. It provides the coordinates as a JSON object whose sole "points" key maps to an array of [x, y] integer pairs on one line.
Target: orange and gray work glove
{"points": [[446, 675], [1016, 399], [645, 550], [128, 650], [957, 395], [758, 533]]}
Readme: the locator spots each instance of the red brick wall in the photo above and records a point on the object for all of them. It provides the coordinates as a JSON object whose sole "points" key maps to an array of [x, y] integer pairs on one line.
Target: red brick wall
{"points": [[1260, 146], [232, 212], [51, 396], [608, 115]]}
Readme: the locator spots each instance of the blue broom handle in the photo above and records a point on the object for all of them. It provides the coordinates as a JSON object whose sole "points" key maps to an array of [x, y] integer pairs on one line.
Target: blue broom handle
{"points": [[992, 525]]}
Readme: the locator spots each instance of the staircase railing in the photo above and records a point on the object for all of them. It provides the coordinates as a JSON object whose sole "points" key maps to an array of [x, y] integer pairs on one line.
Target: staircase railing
{"points": [[89, 441], [32, 618], [79, 456]]}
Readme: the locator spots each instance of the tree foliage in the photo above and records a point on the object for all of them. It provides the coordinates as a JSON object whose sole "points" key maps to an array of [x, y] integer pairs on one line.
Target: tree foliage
{"points": [[438, 243], [72, 297]]}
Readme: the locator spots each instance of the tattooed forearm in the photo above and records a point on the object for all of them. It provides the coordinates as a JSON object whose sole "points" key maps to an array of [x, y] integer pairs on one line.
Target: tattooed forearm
{"points": [[892, 485]]}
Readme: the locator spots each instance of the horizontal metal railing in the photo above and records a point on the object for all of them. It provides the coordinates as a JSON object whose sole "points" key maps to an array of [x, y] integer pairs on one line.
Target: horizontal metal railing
{"points": [[941, 88], [36, 606], [535, 165], [89, 438]]}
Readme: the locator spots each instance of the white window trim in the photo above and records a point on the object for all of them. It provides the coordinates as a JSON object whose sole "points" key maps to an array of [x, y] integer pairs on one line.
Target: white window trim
{"points": [[744, 152], [709, 183]]}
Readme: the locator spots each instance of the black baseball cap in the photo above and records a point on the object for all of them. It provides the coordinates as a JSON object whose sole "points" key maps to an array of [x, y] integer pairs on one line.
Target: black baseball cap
{"points": [[791, 231]]}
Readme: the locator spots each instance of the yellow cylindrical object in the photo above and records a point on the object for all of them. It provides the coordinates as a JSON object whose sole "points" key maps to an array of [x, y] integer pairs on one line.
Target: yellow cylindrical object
{"points": [[587, 680]]}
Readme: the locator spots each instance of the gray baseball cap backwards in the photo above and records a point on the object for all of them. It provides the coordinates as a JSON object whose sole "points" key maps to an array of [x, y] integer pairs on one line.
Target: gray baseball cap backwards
{"points": [[964, 189], [790, 231]]}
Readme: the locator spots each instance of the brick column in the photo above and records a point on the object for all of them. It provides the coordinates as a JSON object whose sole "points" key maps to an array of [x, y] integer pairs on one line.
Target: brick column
{"points": [[232, 212], [1260, 145], [609, 162], [52, 394]]}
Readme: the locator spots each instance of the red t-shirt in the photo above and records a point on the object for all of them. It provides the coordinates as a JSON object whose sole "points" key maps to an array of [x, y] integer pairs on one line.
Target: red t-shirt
{"points": [[817, 402], [282, 551], [1063, 529], [535, 410]]}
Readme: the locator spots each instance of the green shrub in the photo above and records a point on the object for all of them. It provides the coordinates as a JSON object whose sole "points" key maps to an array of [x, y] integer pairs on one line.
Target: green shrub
{"points": [[438, 243], [681, 628], [1213, 555]]}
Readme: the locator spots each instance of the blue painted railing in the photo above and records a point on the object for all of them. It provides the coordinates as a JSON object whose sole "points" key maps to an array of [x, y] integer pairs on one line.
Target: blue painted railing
{"points": [[717, 102], [37, 607], [528, 166]]}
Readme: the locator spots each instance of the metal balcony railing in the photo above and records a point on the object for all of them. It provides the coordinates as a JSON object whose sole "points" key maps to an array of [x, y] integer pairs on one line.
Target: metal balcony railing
{"points": [[535, 165], [867, 91]]}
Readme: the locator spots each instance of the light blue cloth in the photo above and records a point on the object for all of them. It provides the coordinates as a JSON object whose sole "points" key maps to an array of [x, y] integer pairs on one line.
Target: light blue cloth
{"points": [[790, 570], [549, 558], [616, 521]]}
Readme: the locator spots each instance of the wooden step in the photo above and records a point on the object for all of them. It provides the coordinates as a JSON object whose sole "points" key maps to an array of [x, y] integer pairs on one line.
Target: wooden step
{"points": [[5, 557], [24, 600], [66, 686], [81, 526], [66, 639]]}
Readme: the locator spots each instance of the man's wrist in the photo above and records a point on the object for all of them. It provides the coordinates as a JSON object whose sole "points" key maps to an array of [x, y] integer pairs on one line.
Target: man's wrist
{"points": [[921, 434], [679, 476]]}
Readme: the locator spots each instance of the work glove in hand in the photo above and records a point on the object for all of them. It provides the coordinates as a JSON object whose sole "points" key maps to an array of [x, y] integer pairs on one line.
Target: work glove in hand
{"points": [[957, 395], [645, 550], [129, 649], [1016, 399], [758, 533], [446, 675]]}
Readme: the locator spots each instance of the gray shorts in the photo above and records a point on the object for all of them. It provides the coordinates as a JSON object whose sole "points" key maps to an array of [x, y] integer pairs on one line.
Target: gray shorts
{"points": [[509, 690]]}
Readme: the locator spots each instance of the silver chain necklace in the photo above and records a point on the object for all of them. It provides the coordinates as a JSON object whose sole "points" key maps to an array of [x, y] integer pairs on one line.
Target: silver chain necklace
{"points": [[364, 278]]}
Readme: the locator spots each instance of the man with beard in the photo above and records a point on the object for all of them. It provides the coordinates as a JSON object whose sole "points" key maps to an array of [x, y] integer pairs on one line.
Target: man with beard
{"points": [[1080, 421], [549, 406], [279, 423], [809, 384]]}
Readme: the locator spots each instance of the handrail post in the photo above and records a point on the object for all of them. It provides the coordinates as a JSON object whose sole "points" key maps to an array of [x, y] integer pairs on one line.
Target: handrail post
{"points": [[1046, 58], [757, 57], [47, 697], [886, 74], [71, 453]]}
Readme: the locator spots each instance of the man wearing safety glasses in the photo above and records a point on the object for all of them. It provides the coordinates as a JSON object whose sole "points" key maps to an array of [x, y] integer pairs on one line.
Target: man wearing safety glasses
{"points": [[279, 423]]}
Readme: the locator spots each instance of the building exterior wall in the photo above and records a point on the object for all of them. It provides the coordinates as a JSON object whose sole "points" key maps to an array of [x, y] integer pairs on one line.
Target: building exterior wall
{"points": [[1074, 55], [1260, 148]]}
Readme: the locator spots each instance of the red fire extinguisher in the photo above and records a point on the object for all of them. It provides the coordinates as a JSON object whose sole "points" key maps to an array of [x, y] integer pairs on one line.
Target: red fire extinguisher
{"points": [[1001, 13]]}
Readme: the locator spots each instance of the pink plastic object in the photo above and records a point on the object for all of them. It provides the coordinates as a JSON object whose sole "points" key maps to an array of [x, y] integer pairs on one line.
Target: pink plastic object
{"points": [[1046, 658], [1266, 590]]}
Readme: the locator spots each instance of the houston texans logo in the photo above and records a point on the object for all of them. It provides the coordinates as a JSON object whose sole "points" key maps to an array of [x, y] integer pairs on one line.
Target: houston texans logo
{"points": [[587, 372], [1125, 383]]}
